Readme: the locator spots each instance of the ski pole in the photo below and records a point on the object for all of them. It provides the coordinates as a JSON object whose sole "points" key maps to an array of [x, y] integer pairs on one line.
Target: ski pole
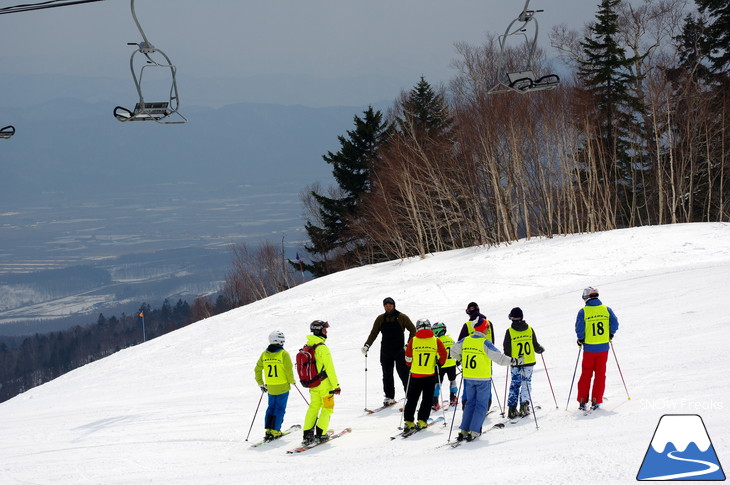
{"points": [[571, 382], [440, 381], [619, 371], [506, 377], [366, 381], [254, 414], [300, 393], [550, 383], [529, 384], [501, 409], [408, 386], [453, 419]]}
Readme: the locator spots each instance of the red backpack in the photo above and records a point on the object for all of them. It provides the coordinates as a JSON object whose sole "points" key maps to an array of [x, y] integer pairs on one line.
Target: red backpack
{"points": [[307, 367]]}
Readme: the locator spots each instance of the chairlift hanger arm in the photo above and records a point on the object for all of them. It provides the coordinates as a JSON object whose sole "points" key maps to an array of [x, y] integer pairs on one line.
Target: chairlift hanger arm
{"points": [[165, 112], [523, 80]]}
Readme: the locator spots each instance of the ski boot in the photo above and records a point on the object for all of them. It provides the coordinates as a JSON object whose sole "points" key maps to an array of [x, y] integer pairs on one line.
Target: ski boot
{"points": [[320, 436], [420, 424], [594, 405], [463, 434], [512, 412], [389, 401], [453, 398], [408, 426], [473, 435], [525, 409], [582, 405], [308, 437], [436, 403]]}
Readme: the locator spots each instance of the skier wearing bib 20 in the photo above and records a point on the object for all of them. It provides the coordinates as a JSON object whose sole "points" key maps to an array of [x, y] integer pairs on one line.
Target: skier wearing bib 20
{"points": [[424, 354], [595, 326], [276, 366], [520, 340], [476, 354]]}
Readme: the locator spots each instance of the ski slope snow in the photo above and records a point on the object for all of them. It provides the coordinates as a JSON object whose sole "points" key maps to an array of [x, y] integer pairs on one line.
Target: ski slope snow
{"points": [[177, 409]]}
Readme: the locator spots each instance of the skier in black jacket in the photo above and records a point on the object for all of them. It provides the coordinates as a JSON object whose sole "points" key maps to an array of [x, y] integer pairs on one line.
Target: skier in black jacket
{"points": [[392, 324]]}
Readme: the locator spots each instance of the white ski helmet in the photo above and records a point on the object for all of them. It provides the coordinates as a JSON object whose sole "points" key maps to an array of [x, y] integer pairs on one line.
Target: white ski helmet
{"points": [[276, 337], [422, 323], [589, 293]]}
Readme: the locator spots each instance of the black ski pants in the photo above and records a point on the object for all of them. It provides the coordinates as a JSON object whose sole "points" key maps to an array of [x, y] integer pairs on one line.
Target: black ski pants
{"points": [[389, 359], [422, 387]]}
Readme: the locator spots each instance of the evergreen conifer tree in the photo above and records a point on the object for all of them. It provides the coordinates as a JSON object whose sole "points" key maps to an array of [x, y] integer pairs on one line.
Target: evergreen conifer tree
{"points": [[424, 112], [607, 82], [330, 244], [717, 39]]}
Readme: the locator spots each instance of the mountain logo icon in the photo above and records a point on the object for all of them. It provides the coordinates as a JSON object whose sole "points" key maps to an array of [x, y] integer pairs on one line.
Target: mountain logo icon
{"points": [[681, 450]]}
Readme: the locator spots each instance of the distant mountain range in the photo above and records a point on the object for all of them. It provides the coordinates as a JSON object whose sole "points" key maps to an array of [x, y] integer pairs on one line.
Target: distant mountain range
{"points": [[79, 188]]}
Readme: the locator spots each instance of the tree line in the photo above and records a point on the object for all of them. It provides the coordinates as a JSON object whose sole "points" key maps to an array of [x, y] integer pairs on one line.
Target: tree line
{"points": [[33, 360], [635, 134]]}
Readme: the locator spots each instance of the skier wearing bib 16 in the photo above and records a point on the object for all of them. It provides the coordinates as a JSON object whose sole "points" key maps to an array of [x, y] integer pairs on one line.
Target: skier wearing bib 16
{"points": [[475, 319], [424, 354], [476, 354], [321, 397], [276, 366], [520, 340], [595, 326]]}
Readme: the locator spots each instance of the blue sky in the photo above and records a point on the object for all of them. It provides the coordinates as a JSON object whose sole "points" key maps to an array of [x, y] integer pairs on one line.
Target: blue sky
{"points": [[379, 46]]}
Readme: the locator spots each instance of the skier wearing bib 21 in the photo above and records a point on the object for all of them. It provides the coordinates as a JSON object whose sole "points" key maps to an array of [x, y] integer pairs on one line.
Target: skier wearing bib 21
{"points": [[476, 354], [274, 374]]}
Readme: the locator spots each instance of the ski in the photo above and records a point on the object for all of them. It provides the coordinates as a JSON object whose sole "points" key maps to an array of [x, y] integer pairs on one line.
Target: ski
{"points": [[456, 444], [406, 434], [516, 420], [283, 433], [314, 444], [377, 410], [588, 410]]}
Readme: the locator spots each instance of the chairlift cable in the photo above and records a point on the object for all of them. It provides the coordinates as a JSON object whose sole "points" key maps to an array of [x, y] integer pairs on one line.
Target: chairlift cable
{"points": [[43, 5]]}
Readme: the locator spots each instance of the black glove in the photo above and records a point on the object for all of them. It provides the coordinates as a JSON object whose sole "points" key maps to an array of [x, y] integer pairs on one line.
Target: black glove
{"points": [[264, 388], [336, 390], [610, 336], [580, 342], [540, 350]]}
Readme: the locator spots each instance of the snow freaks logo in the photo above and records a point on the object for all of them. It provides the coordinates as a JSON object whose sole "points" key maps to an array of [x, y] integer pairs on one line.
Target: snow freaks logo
{"points": [[681, 450]]}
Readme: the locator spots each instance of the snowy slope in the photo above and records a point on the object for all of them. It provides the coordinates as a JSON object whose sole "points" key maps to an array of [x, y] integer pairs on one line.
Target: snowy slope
{"points": [[177, 409]]}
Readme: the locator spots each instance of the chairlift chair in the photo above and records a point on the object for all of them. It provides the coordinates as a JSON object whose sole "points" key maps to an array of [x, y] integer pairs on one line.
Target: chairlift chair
{"points": [[522, 81], [165, 112], [6, 132]]}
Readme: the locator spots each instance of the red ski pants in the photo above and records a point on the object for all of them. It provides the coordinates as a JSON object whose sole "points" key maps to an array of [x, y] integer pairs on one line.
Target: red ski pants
{"points": [[593, 363]]}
